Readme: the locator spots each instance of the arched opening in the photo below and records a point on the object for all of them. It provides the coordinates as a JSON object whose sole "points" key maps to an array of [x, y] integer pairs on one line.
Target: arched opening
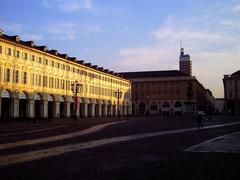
{"points": [[142, 108], [166, 109], [50, 107], [154, 108], [133, 109], [72, 109], [178, 108], [114, 110], [109, 110], [6, 105], [38, 106], [62, 107], [23, 104], [89, 110]]}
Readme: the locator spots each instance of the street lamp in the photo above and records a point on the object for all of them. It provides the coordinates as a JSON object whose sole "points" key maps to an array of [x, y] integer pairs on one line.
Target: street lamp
{"points": [[75, 89], [118, 95]]}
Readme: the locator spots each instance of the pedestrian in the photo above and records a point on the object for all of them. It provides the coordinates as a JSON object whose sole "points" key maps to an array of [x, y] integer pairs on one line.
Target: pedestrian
{"points": [[200, 120]]}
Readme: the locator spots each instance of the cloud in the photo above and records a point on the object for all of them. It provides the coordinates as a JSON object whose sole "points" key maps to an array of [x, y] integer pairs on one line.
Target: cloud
{"points": [[212, 40], [70, 30], [236, 8], [69, 5]]}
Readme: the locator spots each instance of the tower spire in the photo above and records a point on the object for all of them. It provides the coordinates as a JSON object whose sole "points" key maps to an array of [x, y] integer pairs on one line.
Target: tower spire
{"points": [[181, 49]]}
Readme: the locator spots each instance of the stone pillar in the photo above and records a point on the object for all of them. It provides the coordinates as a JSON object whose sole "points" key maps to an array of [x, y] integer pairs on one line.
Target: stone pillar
{"points": [[15, 107], [31, 108], [111, 110], [56, 109], [68, 109], [45, 109], [93, 110]]}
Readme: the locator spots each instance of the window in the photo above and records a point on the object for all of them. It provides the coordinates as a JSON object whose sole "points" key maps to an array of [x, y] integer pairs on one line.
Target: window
{"points": [[40, 60], [7, 75], [52, 63], [16, 76], [24, 77], [33, 58], [9, 51], [73, 69], [63, 67], [25, 56], [46, 62], [16, 53], [0, 49], [58, 65]]}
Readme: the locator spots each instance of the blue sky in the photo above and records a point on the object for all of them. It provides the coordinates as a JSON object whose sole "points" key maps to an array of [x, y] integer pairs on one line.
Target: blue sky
{"points": [[133, 35]]}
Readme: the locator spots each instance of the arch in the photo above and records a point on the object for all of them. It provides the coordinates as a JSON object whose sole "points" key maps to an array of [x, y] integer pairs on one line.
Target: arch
{"points": [[62, 107], [166, 104], [178, 108], [61, 99], [142, 108], [6, 105], [23, 105], [38, 106], [166, 108], [154, 108], [5, 94], [178, 104], [22, 95], [37, 96], [50, 98]]}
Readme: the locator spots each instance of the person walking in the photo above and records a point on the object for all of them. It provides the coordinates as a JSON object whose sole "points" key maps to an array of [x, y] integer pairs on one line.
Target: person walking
{"points": [[200, 120]]}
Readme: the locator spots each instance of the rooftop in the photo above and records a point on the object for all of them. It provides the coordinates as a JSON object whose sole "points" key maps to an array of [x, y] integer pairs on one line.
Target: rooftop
{"points": [[149, 74]]}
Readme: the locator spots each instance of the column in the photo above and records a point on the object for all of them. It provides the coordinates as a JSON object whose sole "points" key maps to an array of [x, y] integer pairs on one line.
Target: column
{"points": [[111, 110], [68, 108], [105, 110], [56, 109], [15, 107], [31, 108]]}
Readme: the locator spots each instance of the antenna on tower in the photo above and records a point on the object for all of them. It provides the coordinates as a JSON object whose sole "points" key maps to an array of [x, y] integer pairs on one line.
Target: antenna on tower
{"points": [[181, 48]]}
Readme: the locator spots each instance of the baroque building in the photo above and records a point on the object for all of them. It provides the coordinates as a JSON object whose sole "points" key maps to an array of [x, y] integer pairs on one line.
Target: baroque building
{"points": [[166, 93], [36, 82], [231, 85]]}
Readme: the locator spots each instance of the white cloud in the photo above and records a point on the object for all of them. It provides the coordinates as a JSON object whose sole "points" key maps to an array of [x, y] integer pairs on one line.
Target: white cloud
{"points": [[70, 30], [236, 8], [214, 48], [69, 5]]}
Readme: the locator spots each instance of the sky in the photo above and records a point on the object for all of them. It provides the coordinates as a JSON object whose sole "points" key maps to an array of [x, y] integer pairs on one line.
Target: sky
{"points": [[134, 35]]}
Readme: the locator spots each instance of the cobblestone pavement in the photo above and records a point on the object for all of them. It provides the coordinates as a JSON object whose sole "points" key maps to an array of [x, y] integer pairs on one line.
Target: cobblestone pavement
{"points": [[78, 145]]}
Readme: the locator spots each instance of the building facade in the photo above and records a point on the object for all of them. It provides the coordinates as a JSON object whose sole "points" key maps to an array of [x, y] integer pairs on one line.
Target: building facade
{"points": [[231, 85], [185, 63], [164, 93], [36, 82]]}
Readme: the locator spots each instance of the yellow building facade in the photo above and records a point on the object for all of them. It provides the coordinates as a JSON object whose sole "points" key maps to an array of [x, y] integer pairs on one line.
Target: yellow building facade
{"points": [[38, 83]]}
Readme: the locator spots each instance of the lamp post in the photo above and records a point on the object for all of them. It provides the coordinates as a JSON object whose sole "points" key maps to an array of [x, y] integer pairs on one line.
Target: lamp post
{"points": [[118, 95], [75, 89]]}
